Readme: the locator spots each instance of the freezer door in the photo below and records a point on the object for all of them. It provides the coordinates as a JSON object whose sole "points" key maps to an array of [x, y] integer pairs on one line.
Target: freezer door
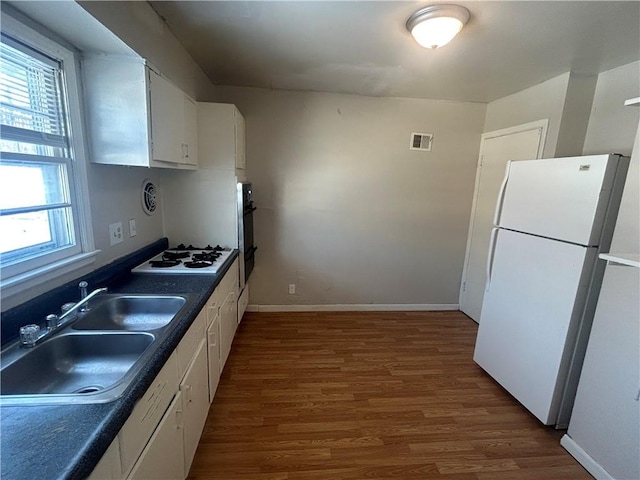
{"points": [[561, 198], [530, 315]]}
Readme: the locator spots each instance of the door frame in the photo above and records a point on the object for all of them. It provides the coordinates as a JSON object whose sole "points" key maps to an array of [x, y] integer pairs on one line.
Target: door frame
{"points": [[541, 125]]}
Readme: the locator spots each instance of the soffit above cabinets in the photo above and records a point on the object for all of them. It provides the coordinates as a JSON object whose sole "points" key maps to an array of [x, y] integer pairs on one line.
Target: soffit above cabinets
{"points": [[75, 25]]}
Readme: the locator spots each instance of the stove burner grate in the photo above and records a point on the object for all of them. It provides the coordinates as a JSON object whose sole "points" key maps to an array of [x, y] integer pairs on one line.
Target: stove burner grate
{"points": [[164, 263], [183, 247], [205, 256], [174, 255], [198, 264]]}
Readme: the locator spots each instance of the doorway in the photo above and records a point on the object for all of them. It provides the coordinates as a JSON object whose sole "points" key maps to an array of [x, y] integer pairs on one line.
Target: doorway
{"points": [[522, 142]]}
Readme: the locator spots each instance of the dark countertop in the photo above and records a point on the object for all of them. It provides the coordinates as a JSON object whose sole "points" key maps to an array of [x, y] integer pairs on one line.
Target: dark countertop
{"points": [[67, 441]]}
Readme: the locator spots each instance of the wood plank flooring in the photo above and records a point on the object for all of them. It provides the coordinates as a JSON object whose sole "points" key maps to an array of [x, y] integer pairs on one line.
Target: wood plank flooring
{"points": [[369, 395]]}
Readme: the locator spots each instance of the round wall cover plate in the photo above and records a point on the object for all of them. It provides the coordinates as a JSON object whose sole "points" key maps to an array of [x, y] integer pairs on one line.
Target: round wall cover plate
{"points": [[149, 197]]}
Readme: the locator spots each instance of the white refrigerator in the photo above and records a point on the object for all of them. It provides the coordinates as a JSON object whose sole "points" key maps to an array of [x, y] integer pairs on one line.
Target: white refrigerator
{"points": [[543, 276]]}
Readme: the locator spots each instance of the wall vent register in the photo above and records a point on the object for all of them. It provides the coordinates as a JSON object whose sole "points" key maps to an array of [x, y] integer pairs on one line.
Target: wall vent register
{"points": [[421, 141], [149, 197]]}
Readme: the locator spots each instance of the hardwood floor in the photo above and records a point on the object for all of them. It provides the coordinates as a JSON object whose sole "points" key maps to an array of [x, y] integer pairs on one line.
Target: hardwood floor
{"points": [[369, 395]]}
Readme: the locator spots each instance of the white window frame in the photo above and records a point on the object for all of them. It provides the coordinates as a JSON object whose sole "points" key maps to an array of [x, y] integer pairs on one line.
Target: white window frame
{"points": [[38, 270]]}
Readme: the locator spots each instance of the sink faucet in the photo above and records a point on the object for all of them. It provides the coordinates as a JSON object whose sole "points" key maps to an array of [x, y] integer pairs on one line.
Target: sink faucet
{"points": [[83, 294], [31, 335]]}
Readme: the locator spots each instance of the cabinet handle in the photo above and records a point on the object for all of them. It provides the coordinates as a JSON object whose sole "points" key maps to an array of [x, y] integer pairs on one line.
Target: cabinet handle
{"points": [[187, 393], [179, 419]]}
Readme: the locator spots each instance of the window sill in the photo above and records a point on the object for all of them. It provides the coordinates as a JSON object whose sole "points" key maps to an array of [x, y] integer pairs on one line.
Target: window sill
{"points": [[19, 283]]}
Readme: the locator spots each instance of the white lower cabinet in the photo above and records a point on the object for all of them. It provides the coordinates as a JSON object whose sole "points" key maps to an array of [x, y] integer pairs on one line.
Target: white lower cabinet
{"points": [[228, 325], [147, 413], [163, 457], [189, 343], [213, 341], [243, 302], [195, 400], [109, 466], [160, 437]]}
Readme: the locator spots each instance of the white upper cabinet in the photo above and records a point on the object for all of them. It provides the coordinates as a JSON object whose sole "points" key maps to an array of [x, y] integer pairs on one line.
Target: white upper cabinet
{"points": [[166, 105], [221, 136], [241, 159], [136, 117], [190, 130]]}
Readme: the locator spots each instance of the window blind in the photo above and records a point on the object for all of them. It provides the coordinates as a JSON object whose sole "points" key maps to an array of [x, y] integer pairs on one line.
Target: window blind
{"points": [[31, 107]]}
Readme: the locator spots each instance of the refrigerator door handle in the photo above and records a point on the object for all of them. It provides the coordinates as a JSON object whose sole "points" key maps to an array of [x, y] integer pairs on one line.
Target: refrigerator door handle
{"points": [[503, 187], [492, 249]]}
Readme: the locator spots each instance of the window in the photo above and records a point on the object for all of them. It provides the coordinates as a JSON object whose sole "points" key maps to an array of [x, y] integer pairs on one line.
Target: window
{"points": [[42, 184]]}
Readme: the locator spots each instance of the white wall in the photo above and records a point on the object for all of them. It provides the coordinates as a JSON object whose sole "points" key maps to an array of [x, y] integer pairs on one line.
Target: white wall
{"points": [[345, 210], [612, 126], [575, 114], [545, 100]]}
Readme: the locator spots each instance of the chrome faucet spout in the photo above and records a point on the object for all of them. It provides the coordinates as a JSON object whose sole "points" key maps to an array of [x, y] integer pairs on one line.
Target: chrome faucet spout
{"points": [[83, 294], [31, 335], [82, 304]]}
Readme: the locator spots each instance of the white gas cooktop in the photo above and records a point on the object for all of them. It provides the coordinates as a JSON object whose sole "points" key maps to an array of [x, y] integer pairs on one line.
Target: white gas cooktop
{"points": [[186, 260]]}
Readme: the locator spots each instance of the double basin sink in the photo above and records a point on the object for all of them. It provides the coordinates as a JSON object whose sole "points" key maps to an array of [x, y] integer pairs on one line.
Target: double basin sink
{"points": [[94, 358]]}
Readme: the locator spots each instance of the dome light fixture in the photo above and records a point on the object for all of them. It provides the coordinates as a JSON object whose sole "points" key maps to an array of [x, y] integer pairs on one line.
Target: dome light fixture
{"points": [[436, 25]]}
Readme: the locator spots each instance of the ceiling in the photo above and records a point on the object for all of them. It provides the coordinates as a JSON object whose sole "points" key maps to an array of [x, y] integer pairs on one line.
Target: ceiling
{"points": [[363, 47]]}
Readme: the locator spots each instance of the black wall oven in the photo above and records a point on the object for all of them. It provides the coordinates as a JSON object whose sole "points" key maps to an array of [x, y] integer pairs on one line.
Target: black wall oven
{"points": [[245, 231]]}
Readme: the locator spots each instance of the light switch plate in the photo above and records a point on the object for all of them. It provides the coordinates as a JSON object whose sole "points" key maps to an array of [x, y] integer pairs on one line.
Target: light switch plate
{"points": [[115, 233], [132, 228]]}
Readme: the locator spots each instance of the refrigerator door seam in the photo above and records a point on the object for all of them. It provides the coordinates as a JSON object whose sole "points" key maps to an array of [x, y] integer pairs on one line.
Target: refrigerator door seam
{"points": [[549, 238]]}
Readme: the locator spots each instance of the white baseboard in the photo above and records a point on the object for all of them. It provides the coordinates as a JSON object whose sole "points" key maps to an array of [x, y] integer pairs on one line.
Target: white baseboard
{"points": [[365, 307], [584, 458]]}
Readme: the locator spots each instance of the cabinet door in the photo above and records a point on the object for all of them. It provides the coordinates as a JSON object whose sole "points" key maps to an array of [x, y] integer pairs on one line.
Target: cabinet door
{"points": [[241, 161], [147, 413], [213, 340], [190, 138], [167, 119], [228, 324], [189, 343], [243, 301], [195, 399], [163, 457], [108, 467]]}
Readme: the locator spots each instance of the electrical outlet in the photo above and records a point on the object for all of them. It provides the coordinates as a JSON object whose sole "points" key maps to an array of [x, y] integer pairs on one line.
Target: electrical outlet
{"points": [[132, 228], [115, 233], [292, 289]]}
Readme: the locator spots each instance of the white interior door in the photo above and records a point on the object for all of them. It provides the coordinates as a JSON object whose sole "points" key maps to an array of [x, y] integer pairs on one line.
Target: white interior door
{"points": [[523, 142]]}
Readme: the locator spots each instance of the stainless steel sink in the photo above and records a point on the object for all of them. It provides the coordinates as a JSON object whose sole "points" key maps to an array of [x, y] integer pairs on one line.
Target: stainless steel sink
{"points": [[130, 312], [94, 358], [75, 363]]}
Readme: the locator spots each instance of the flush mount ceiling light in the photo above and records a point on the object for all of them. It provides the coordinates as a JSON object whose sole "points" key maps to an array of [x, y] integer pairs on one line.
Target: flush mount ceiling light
{"points": [[436, 25]]}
